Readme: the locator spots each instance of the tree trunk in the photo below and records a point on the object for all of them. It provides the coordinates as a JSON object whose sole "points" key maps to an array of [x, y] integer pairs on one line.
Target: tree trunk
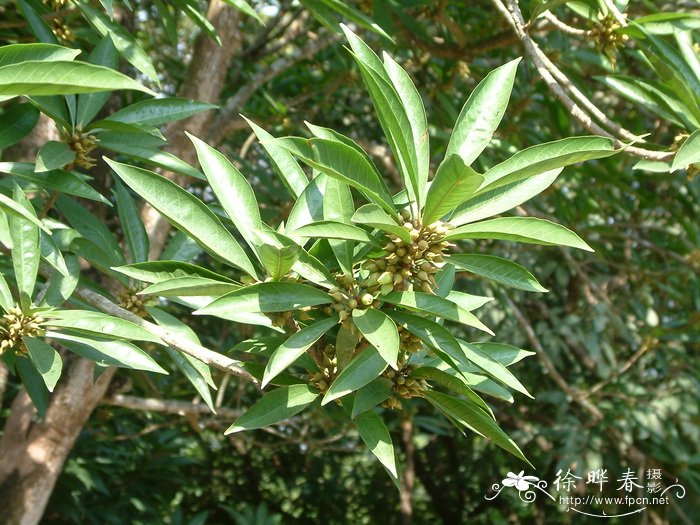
{"points": [[33, 453], [408, 479]]}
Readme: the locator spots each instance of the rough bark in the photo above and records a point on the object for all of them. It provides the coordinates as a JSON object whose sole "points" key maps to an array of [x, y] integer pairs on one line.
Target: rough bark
{"points": [[408, 479], [33, 453]]}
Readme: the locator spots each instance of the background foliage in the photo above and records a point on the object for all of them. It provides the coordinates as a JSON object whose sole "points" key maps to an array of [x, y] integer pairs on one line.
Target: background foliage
{"points": [[615, 376]]}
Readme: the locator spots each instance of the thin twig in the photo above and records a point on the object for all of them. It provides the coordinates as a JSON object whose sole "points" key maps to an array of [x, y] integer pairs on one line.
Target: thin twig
{"points": [[563, 27], [167, 406]]}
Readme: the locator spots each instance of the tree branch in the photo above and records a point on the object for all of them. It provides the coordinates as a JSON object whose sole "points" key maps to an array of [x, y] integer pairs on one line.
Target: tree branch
{"points": [[209, 357], [167, 406]]}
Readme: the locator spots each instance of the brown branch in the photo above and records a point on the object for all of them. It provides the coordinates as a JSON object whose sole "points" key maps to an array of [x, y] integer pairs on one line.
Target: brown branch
{"points": [[167, 406]]}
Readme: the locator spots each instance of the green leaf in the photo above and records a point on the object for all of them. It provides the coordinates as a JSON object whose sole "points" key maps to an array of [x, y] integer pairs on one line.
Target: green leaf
{"points": [[309, 206], [467, 301], [473, 417], [283, 163], [53, 155], [16, 53], [125, 43], [688, 153], [92, 228], [546, 157], [502, 198], [185, 212], [364, 368], [244, 7], [130, 220], [275, 406], [278, 261], [190, 287], [62, 78], [338, 206], [51, 253], [482, 113], [520, 229], [454, 383], [332, 230], [266, 297], [6, 300], [503, 353], [294, 347], [193, 375], [153, 156], [46, 360], [16, 123], [13, 209], [371, 395], [25, 245], [454, 183], [492, 367], [40, 28], [59, 180], [90, 104], [391, 112], [175, 326], [499, 270], [97, 323], [372, 215], [108, 352], [61, 287], [344, 163], [668, 23], [157, 271], [159, 111], [376, 436], [380, 331], [34, 384], [415, 111], [232, 189], [441, 307]]}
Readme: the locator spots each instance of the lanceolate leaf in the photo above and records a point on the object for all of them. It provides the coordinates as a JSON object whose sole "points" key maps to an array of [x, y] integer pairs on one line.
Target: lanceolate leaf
{"points": [[482, 113], [46, 360], [380, 331], [294, 347], [16, 53], [159, 111], [16, 123], [100, 324], [688, 153], [445, 308], [499, 270], [153, 156], [157, 271], [130, 220], [344, 163], [232, 189], [13, 209], [520, 229], [183, 363], [376, 436], [475, 419], [454, 183], [373, 215], [25, 246], [492, 367], [545, 157], [453, 382], [502, 198], [190, 287], [90, 104], [503, 353], [266, 297], [371, 395], [186, 212], [309, 206], [332, 230], [34, 384], [275, 406], [287, 168], [62, 78], [278, 261], [363, 369], [54, 155], [108, 352], [338, 206]]}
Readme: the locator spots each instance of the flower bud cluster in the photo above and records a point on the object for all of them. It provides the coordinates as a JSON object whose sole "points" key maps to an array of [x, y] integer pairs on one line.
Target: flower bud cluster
{"points": [[348, 296], [404, 386], [408, 343], [328, 369], [606, 39], [413, 263], [136, 304], [14, 326], [83, 144]]}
